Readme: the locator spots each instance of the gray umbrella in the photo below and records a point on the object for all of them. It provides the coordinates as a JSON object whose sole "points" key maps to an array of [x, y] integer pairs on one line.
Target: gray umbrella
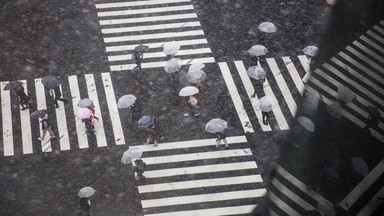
{"points": [[188, 91], [140, 48], [171, 47], [360, 166], [173, 65], [131, 154], [126, 101], [50, 81], [310, 103], [193, 76], [216, 125], [334, 108], [345, 94], [38, 113], [257, 50], [310, 50], [85, 102], [306, 123], [267, 103], [12, 85], [267, 27], [196, 66], [256, 72], [86, 192]]}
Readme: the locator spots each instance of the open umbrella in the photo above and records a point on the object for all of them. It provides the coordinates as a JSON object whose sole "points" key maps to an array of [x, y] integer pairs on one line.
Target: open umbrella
{"points": [[345, 94], [86, 192], [188, 91], [39, 113], [257, 50], [171, 47], [310, 50], [140, 48], [173, 65], [360, 166], [256, 72], [83, 113], [216, 125], [334, 108], [50, 81], [310, 103], [84, 102], [267, 27], [306, 123], [331, 2], [193, 76], [126, 101], [267, 103], [131, 154], [196, 66], [12, 85], [145, 121]]}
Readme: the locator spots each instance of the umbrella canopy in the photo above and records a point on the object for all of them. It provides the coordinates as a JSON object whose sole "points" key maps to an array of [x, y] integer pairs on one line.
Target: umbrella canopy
{"points": [[85, 102], [345, 94], [267, 103], [12, 85], [360, 166], [257, 50], [306, 123], [131, 154], [39, 113], [171, 47], [310, 50], [140, 48], [334, 108], [145, 121], [83, 113], [267, 27], [310, 103], [50, 81], [331, 2], [126, 101], [193, 76], [86, 192], [256, 72], [188, 91], [196, 66], [216, 125], [173, 65]]}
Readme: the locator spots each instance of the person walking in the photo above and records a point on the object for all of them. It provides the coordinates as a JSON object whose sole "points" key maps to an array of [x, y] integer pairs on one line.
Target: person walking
{"points": [[140, 168], [135, 110], [152, 132], [46, 126], [89, 126], [193, 109], [85, 205], [373, 118], [222, 136], [92, 108], [259, 87], [23, 98], [138, 57], [57, 95], [265, 117]]}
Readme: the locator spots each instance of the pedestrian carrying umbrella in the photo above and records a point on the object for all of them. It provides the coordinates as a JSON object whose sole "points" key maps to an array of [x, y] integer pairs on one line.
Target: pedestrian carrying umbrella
{"points": [[145, 121], [267, 27], [345, 94], [173, 65], [12, 85], [310, 50], [193, 76], [257, 50], [334, 108], [196, 66], [216, 125], [360, 166], [171, 47], [306, 123], [131, 154], [256, 72], [39, 113], [86, 192], [188, 91], [310, 103], [83, 113], [140, 48], [50, 81], [85, 102], [126, 101], [267, 103]]}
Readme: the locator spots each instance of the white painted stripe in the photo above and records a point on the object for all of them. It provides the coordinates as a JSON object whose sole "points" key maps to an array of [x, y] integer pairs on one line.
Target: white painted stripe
{"points": [[25, 119], [198, 156], [161, 64], [304, 188], [245, 122], [190, 144], [283, 86], [41, 104], [365, 59], [156, 45], [145, 11], [140, 37], [235, 210], [160, 54], [203, 198], [75, 95], [373, 44], [272, 213], [282, 205], [372, 205], [377, 37], [200, 169], [137, 3], [369, 51], [6, 114], [92, 94], [62, 127], [355, 194], [113, 111], [303, 60], [199, 183], [379, 29], [294, 74], [250, 90], [150, 27], [148, 19]]}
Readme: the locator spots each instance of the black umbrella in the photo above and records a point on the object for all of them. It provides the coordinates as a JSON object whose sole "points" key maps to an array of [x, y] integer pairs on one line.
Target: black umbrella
{"points": [[50, 81], [141, 48], [12, 85], [38, 113]]}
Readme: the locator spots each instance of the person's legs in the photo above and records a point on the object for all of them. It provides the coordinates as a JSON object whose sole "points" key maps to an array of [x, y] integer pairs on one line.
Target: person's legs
{"points": [[51, 132], [264, 116], [225, 142], [218, 142], [44, 132]]}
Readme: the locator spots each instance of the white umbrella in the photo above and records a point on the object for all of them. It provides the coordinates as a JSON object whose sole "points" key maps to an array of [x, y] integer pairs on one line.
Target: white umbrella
{"points": [[310, 50], [256, 72], [86, 192], [126, 101], [267, 27], [267, 103], [193, 76], [345, 94], [334, 108], [84, 102], [331, 2], [360, 166], [131, 154], [306, 123], [196, 66], [173, 65], [188, 91], [257, 50], [171, 47], [216, 125]]}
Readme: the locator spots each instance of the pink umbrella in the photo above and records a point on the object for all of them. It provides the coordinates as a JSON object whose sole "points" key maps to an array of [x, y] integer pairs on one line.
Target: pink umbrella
{"points": [[83, 113]]}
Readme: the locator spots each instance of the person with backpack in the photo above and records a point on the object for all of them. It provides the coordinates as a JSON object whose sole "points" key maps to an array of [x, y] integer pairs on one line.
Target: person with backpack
{"points": [[46, 126], [140, 168]]}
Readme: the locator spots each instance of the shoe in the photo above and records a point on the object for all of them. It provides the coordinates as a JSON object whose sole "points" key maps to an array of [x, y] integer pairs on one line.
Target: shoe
{"points": [[197, 114], [155, 145], [39, 138], [56, 107], [53, 137], [24, 108], [82, 133], [253, 95], [186, 114]]}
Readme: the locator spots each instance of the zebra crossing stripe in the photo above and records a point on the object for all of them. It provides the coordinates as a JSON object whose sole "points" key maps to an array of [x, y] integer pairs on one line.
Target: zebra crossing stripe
{"points": [[365, 59], [92, 94], [234, 210], [373, 44], [250, 90], [294, 74], [372, 205], [148, 19], [282, 205], [75, 95], [156, 45], [203, 198], [245, 122], [368, 51], [150, 27], [137, 3], [379, 29], [377, 37], [139, 37], [112, 107], [303, 60], [7, 121], [272, 213], [160, 54], [41, 104], [145, 11], [62, 127], [25, 119], [200, 183]]}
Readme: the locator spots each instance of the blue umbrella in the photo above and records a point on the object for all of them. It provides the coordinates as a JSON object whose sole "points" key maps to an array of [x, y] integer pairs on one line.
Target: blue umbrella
{"points": [[145, 121], [50, 81]]}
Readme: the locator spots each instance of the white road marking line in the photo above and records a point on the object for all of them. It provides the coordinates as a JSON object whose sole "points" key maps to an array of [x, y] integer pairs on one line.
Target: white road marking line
{"points": [[250, 90], [233, 180], [148, 19], [150, 27], [377, 37], [127, 57], [365, 59], [369, 51], [140, 37], [373, 44], [113, 111], [303, 60], [235, 210], [282, 205], [25, 119], [294, 74], [41, 104], [6, 113], [75, 94], [203, 198], [92, 94], [137, 3], [372, 205], [145, 11], [379, 29], [62, 127], [245, 122]]}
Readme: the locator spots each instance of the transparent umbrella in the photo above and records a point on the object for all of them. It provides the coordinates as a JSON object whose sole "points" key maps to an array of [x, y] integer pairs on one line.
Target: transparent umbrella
{"points": [[267, 103], [86, 192], [310, 50], [345, 94], [306, 123], [126, 101], [334, 108], [310, 103], [38, 113], [131, 154], [83, 113], [216, 125], [196, 66], [188, 91], [257, 50], [50, 81], [173, 65], [145, 121], [256, 72], [360, 166], [267, 27], [84, 102], [12, 85], [171, 47], [194, 76]]}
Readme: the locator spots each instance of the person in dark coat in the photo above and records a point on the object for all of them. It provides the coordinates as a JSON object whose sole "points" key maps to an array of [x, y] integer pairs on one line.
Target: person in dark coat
{"points": [[152, 133], [23, 98], [222, 136], [265, 117], [85, 205], [57, 92], [138, 59], [135, 110], [140, 169], [259, 87], [89, 126]]}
